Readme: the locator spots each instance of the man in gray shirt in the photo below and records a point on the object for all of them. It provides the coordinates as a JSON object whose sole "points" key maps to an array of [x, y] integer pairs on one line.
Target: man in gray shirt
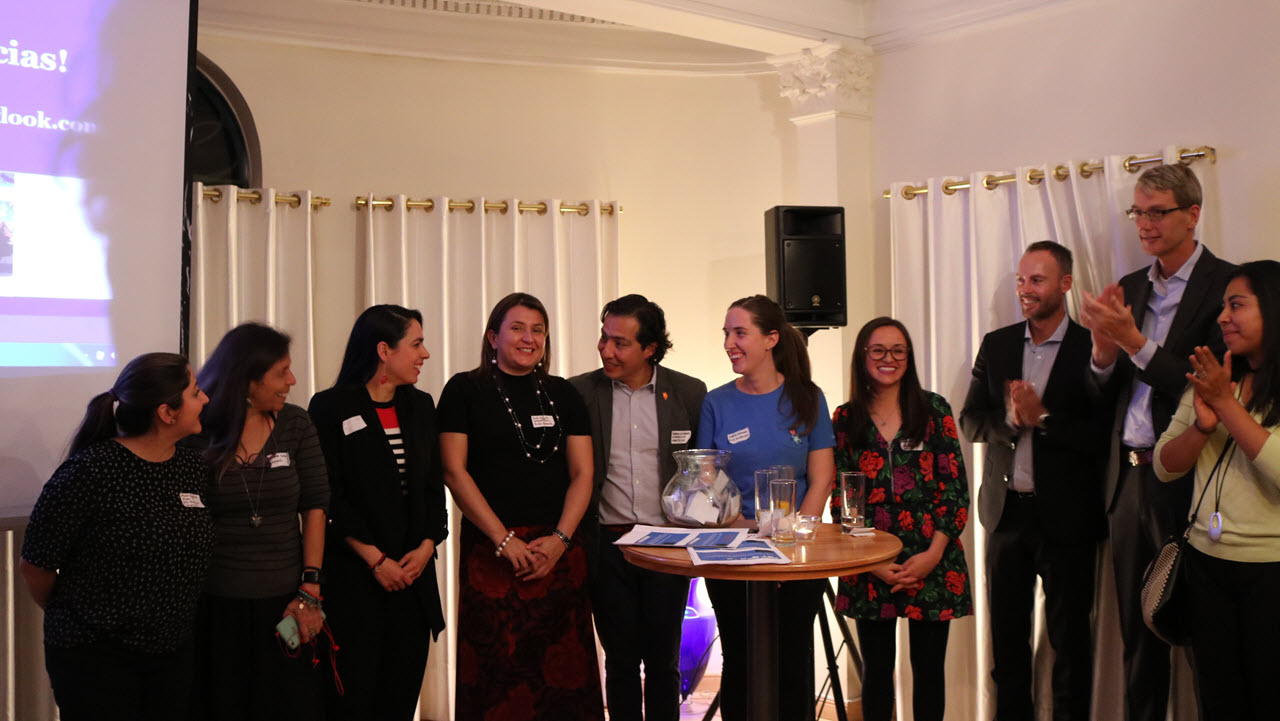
{"points": [[640, 413]]}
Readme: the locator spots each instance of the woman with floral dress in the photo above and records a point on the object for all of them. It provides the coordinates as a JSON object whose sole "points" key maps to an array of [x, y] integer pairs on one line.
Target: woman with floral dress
{"points": [[904, 439]]}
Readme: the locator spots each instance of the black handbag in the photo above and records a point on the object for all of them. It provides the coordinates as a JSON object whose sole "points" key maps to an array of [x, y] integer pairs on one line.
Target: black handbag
{"points": [[1160, 601]]}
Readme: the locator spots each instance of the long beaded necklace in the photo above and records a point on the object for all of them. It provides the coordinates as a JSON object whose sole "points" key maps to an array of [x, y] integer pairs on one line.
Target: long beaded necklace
{"points": [[531, 448]]}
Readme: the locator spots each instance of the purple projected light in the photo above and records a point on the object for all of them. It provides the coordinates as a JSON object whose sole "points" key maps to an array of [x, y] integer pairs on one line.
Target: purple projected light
{"points": [[699, 632]]}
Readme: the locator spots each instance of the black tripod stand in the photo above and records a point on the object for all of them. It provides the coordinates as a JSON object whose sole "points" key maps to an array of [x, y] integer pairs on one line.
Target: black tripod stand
{"points": [[833, 668]]}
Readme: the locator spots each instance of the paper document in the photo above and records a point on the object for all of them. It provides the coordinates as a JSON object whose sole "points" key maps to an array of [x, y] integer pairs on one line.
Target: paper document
{"points": [[671, 536], [749, 552]]}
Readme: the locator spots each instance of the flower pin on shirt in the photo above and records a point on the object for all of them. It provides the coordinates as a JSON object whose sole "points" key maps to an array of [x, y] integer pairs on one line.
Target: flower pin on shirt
{"points": [[795, 437]]}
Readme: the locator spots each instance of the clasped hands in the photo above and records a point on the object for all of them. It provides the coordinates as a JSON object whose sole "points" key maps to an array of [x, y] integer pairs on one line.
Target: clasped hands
{"points": [[535, 559], [395, 575], [1213, 387], [1022, 405], [1111, 324], [909, 574]]}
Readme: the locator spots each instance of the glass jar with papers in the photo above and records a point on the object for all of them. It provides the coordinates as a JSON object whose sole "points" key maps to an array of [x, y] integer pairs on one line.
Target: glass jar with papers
{"points": [[701, 494]]}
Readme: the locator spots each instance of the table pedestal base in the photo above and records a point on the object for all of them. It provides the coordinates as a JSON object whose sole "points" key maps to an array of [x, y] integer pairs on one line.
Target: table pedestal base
{"points": [[762, 645]]}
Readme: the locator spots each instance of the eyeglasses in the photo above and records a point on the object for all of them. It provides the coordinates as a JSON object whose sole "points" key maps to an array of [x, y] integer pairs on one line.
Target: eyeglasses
{"points": [[878, 352], [1155, 214]]}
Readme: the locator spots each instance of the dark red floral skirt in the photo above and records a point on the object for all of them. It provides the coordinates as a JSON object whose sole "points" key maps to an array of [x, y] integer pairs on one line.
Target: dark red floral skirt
{"points": [[526, 649]]}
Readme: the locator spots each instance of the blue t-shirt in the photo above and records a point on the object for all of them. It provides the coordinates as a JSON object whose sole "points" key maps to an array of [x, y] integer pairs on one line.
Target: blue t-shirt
{"points": [[759, 433]]}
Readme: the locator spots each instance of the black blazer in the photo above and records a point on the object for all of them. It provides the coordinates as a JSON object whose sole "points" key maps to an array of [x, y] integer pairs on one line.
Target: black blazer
{"points": [[679, 398], [366, 502], [1065, 452], [1194, 323]]}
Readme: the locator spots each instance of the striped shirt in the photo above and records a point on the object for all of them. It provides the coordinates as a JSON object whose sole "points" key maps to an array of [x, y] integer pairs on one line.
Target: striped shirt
{"points": [[391, 426]]}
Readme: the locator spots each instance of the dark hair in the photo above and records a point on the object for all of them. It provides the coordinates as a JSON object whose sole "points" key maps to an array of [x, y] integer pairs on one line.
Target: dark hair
{"points": [[1263, 277], [486, 371], [653, 322], [1058, 251], [912, 400], [790, 358], [1177, 178], [377, 324], [243, 355], [147, 382]]}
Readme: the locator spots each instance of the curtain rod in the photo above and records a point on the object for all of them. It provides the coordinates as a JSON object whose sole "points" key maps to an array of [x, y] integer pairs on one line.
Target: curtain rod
{"points": [[255, 197], [1034, 176], [470, 206]]}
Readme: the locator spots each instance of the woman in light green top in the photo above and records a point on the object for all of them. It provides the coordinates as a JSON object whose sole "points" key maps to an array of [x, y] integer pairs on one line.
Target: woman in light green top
{"points": [[1230, 419]]}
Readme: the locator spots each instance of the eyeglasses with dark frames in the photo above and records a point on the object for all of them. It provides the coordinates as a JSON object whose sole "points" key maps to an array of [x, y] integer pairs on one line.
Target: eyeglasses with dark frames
{"points": [[1155, 214], [878, 352]]}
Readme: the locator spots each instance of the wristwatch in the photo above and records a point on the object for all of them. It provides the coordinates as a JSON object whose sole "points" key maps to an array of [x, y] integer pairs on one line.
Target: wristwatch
{"points": [[311, 574]]}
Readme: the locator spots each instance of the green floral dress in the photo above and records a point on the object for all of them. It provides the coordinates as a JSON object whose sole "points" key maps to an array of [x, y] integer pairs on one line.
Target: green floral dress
{"points": [[912, 492]]}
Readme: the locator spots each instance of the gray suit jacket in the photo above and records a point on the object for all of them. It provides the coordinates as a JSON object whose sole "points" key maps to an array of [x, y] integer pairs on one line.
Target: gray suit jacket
{"points": [[679, 398]]}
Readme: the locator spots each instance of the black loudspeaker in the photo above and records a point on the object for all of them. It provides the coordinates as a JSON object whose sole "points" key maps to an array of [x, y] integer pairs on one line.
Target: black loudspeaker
{"points": [[804, 264]]}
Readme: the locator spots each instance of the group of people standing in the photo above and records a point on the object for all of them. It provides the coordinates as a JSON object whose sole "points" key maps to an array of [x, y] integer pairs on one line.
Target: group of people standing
{"points": [[1169, 388], [201, 520]]}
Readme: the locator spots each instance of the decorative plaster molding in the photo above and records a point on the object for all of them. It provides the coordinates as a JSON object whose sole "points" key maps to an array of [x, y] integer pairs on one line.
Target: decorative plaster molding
{"points": [[492, 9], [826, 78]]}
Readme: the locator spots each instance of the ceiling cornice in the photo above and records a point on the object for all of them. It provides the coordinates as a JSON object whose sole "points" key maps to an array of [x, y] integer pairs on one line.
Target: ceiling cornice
{"points": [[697, 37]]}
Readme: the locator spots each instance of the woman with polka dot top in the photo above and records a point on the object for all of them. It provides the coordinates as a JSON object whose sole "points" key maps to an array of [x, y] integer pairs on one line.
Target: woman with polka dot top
{"points": [[117, 546]]}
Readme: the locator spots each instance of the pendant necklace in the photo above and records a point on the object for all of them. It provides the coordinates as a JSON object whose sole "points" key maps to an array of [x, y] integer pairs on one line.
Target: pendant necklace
{"points": [[880, 421], [1215, 520], [255, 518], [531, 448]]}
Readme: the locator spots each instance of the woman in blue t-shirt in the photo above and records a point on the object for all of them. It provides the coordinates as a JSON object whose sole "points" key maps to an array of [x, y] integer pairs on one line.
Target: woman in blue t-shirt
{"points": [[772, 414]]}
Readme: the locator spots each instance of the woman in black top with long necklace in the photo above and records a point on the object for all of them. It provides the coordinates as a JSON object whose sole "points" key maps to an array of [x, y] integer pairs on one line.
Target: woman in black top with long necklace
{"points": [[516, 448], [117, 546], [387, 516], [268, 473]]}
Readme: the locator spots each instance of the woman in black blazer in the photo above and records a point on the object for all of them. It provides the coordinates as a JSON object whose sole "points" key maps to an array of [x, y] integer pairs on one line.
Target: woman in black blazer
{"points": [[387, 515]]}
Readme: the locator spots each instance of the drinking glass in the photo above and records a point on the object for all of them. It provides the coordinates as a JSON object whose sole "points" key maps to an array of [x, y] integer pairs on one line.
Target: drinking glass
{"points": [[764, 511], [782, 496], [853, 501], [807, 527]]}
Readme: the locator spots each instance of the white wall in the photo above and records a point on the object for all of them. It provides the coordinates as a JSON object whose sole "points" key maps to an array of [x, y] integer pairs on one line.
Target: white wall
{"points": [[1084, 79], [695, 161]]}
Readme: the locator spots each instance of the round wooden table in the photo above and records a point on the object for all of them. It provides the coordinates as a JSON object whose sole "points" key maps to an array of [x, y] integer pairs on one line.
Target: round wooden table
{"points": [[831, 553]]}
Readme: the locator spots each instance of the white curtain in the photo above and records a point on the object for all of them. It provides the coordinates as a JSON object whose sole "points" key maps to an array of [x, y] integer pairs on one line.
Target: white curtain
{"points": [[454, 265], [253, 261], [954, 258]]}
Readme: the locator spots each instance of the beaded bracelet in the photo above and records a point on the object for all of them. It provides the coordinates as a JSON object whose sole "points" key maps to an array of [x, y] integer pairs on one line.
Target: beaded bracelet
{"points": [[503, 545], [561, 535], [306, 599]]}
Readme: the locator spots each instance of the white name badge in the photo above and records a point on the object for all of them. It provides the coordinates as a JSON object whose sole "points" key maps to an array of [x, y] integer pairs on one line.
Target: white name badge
{"points": [[919, 446], [191, 500], [543, 421], [352, 424], [740, 436], [678, 437], [279, 460]]}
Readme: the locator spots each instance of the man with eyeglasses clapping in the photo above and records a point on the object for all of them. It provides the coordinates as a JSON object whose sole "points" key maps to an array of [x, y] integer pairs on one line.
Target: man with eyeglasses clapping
{"points": [[1144, 330]]}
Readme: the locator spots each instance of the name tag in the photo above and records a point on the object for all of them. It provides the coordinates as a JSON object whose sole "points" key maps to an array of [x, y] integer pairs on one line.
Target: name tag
{"points": [[740, 436], [543, 421], [191, 500], [279, 460], [919, 446], [678, 437], [352, 424]]}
